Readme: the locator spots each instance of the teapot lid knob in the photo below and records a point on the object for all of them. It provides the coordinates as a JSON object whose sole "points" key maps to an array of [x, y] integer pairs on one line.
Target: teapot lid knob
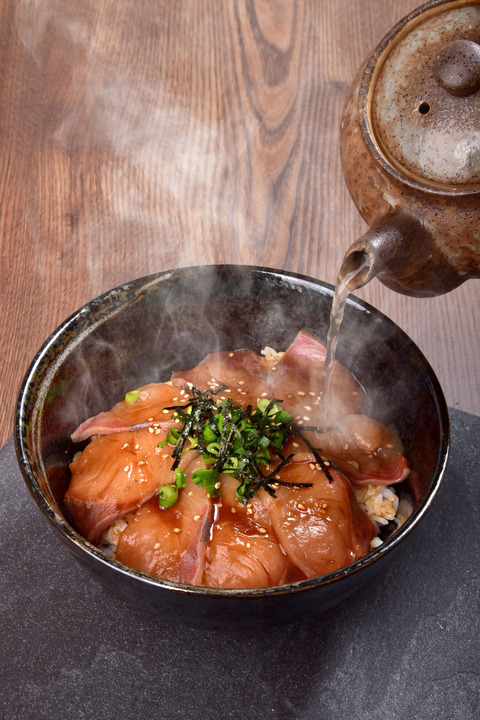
{"points": [[457, 67]]}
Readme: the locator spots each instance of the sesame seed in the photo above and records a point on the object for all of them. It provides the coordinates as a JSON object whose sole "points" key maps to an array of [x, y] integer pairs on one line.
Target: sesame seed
{"points": [[156, 546], [165, 456], [151, 430], [264, 394], [177, 530], [241, 382], [233, 510], [190, 493], [125, 445], [158, 450], [174, 399], [196, 517], [248, 545], [295, 444], [347, 446], [165, 411], [311, 393], [274, 368], [157, 431], [300, 392], [301, 507], [217, 486], [262, 531], [311, 466], [142, 462], [306, 418], [150, 419], [126, 468], [230, 354], [324, 505], [137, 447], [325, 462], [249, 511], [307, 407]]}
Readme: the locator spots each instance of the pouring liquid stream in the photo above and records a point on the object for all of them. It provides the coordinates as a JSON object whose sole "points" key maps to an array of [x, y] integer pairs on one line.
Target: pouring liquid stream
{"points": [[352, 276]]}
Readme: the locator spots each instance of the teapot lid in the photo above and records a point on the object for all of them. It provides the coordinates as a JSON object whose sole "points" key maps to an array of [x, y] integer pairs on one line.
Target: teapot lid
{"points": [[423, 101]]}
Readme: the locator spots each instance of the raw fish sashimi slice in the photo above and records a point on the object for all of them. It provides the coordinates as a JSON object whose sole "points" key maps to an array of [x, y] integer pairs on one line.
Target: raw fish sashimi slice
{"points": [[366, 450], [148, 409], [321, 528], [169, 543], [243, 551], [113, 476], [243, 371]]}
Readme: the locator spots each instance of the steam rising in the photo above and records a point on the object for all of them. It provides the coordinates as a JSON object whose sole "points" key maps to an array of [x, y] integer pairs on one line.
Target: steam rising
{"points": [[159, 134], [166, 144]]}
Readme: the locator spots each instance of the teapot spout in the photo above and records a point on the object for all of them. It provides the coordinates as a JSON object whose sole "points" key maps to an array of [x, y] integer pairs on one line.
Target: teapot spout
{"points": [[403, 255]]}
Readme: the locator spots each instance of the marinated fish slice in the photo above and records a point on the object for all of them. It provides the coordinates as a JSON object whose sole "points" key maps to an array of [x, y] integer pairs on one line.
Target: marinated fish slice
{"points": [[114, 475], [243, 551], [243, 371], [169, 543], [366, 450], [147, 407], [239, 557], [298, 379], [321, 528]]}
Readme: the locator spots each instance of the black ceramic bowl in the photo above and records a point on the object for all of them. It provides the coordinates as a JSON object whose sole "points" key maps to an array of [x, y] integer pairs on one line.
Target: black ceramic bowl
{"points": [[140, 332]]}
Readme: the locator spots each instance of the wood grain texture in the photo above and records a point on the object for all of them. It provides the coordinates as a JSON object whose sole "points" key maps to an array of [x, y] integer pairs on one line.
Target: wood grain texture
{"points": [[136, 137]]}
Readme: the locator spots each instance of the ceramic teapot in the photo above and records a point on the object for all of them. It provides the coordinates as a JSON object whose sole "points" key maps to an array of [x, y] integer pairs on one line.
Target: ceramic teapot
{"points": [[410, 151]]}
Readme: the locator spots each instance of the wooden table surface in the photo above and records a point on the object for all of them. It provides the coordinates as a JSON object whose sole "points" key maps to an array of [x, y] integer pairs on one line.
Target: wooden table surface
{"points": [[141, 136]]}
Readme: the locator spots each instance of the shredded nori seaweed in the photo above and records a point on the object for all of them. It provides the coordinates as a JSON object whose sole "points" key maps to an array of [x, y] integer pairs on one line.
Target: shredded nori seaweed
{"points": [[245, 440]]}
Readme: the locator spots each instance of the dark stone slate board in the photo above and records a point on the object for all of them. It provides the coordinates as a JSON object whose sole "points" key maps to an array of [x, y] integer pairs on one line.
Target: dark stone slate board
{"points": [[406, 646]]}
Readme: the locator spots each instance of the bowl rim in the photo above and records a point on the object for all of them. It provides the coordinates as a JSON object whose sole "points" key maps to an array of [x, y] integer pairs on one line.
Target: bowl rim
{"points": [[136, 286]]}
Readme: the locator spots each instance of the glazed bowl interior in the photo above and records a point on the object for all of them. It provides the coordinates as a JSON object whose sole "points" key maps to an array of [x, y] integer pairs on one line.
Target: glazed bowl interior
{"points": [[142, 331]]}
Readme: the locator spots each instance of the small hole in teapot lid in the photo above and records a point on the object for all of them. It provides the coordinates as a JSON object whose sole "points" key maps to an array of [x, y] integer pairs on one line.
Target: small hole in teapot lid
{"points": [[423, 108]]}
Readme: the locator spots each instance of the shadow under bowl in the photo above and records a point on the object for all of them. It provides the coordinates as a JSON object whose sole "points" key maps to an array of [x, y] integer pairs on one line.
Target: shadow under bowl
{"points": [[141, 332]]}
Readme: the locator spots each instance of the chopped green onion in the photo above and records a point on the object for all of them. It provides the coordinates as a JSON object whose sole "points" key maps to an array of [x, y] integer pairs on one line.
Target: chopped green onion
{"points": [[233, 440], [207, 478], [167, 496], [180, 478], [132, 396], [173, 436]]}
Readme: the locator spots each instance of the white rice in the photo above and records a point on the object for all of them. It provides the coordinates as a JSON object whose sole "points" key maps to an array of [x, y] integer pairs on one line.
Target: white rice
{"points": [[382, 505], [271, 355], [108, 541]]}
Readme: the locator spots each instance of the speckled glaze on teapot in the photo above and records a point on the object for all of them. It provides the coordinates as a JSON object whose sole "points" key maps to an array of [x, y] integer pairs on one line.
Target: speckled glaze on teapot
{"points": [[410, 150]]}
